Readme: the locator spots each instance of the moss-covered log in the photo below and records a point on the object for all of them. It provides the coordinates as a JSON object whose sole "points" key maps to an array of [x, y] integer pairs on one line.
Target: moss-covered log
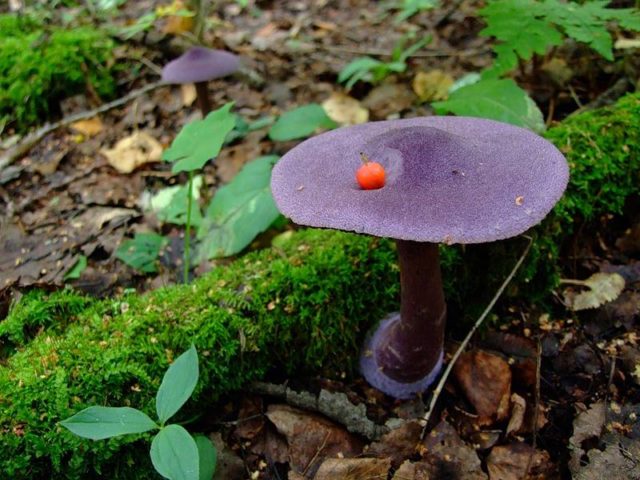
{"points": [[303, 308]]}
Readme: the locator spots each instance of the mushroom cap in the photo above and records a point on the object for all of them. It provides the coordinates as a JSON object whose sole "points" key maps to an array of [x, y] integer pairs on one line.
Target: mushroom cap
{"points": [[449, 179], [200, 64]]}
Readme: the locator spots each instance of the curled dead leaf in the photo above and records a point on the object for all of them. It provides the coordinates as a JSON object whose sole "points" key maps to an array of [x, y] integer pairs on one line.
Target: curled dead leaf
{"points": [[131, 152], [602, 288]]}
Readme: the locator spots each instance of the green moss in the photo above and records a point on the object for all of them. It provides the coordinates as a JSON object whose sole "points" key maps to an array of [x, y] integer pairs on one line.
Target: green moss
{"points": [[40, 310], [40, 65], [301, 309]]}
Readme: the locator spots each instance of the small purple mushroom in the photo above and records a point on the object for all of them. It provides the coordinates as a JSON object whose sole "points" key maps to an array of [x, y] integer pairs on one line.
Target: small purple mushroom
{"points": [[449, 180], [200, 65]]}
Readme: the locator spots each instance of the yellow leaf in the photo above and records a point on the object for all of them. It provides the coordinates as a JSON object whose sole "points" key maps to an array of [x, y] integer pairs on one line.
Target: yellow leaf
{"points": [[432, 86], [133, 151], [88, 128], [601, 288], [344, 109]]}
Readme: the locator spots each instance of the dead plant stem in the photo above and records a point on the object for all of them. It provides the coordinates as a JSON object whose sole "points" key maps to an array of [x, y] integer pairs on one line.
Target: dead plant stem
{"points": [[440, 386]]}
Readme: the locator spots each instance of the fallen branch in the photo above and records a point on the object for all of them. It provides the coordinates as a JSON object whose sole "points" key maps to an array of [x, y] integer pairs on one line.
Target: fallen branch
{"points": [[32, 139], [336, 406], [438, 390]]}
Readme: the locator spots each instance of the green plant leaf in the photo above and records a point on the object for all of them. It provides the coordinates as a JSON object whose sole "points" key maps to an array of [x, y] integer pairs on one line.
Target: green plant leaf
{"points": [[410, 7], [170, 203], [207, 456], [98, 423], [522, 28], [201, 140], [239, 210], [177, 385], [501, 100], [142, 251], [76, 270], [174, 454], [357, 70], [300, 122]]}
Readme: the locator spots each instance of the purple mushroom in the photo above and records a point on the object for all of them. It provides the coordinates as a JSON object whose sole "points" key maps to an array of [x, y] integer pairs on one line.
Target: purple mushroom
{"points": [[200, 65], [449, 180]]}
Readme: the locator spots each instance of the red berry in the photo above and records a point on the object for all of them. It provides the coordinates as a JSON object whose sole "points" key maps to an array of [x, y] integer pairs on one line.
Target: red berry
{"points": [[370, 175]]}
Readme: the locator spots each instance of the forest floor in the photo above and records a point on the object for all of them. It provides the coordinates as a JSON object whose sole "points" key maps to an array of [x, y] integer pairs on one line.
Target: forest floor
{"points": [[536, 397]]}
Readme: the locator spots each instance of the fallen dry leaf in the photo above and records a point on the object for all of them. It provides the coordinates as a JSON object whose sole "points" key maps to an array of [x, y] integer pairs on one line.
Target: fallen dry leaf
{"points": [[444, 451], [388, 99], [602, 288], [353, 469], [89, 127], [624, 43], [518, 409], [509, 462], [131, 152], [311, 438], [432, 86], [616, 454], [188, 94], [485, 380], [346, 110], [587, 425], [399, 444]]}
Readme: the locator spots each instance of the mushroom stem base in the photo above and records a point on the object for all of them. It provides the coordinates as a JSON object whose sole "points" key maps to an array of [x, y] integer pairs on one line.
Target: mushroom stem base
{"points": [[374, 374]]}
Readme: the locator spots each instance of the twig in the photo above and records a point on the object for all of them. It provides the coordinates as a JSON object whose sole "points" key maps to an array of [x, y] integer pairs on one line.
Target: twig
{"points": [[536, 408], [438, 390], [387, 53], [313, 459], [335, 405], [28, 142]]}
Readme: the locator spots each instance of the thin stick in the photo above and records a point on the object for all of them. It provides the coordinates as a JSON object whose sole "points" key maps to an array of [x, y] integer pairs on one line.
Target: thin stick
{"points": [[187, 234], [536, 409], [438, 390], [28, 142]]}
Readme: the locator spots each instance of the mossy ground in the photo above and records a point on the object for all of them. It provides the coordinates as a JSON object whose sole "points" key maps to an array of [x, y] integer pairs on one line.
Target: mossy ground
{"points": [[40, 65], [301, 309]]}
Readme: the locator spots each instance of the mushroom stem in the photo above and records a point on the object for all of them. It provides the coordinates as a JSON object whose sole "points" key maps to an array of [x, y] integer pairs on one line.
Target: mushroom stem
{"points": [[412, 346], [203, 98]]}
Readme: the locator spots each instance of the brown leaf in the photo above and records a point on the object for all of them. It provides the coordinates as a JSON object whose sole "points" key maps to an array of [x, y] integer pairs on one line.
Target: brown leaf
{"points": [[399, 444], [353, 469], [445, 455], [509, 462], [485, 380], [518, 409], [311, 438], [388, 99], [133, 151]]}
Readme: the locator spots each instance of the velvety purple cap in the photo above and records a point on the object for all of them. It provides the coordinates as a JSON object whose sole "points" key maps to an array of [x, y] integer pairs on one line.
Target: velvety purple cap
{"points": [[200, 64], [448, 179]]}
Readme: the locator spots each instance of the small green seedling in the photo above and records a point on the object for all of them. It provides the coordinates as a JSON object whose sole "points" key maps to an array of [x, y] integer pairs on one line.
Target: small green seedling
{"points": [[196, 144], [371, 70], [141, 252], [175, 454], [409, 8]]}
